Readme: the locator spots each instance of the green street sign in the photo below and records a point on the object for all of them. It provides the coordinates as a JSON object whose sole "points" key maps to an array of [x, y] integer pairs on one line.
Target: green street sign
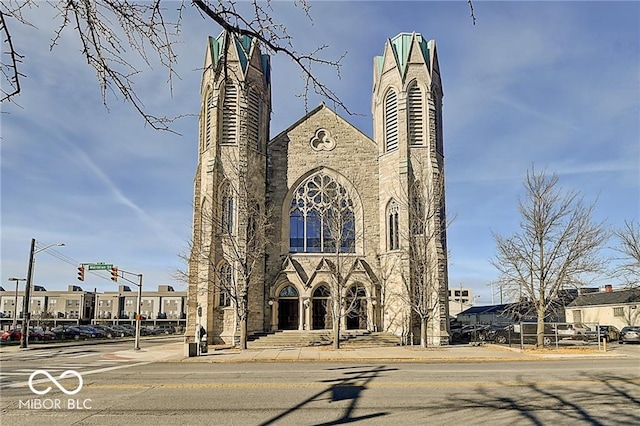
{"points": [[99, 266]]}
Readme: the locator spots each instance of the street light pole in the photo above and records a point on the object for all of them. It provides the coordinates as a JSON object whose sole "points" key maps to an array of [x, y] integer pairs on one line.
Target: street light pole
{"points": [[26, 314], [15, 302], [139, 316]]}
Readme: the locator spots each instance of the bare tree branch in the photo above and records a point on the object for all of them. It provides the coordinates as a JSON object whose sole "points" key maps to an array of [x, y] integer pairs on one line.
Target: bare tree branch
{"points": [[628, 238], [557, 248], [115, 34]]}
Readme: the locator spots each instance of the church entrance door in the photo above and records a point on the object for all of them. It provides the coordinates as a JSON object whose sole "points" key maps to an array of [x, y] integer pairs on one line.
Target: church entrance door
{"points": [[288, 314], [320, 315], [357, 314]]}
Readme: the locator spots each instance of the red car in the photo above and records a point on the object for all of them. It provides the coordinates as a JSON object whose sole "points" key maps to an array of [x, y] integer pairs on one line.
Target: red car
{"points": [[35, 335], [10, 335]]}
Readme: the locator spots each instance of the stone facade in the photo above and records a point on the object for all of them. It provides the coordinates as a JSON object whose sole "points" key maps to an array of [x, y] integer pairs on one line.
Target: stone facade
{"points": [[320, 210]]}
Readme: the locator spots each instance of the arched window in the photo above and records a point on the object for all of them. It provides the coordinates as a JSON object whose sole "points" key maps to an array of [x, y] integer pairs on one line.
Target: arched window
{"points": [[416, 116], [229, 114], [321, 217], [418, 213], [321, 291], [391, 121], [227, 210], [393, 237], [226, 285], [288, 291]]}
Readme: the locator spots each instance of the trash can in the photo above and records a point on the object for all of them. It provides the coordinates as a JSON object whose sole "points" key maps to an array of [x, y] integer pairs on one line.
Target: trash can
{"points": [[193, 350]]}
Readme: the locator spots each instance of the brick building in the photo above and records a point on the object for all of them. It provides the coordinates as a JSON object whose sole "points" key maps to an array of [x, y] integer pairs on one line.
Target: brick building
{"points": [[332, 204]]}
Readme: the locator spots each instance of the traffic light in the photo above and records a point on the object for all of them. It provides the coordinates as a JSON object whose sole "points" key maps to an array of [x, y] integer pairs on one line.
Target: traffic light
{"points": [[81, 273], [114, 273]]}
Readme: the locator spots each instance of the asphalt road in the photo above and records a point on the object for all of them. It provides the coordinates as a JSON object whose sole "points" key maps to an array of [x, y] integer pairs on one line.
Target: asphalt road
{"points": [[573, 391]]}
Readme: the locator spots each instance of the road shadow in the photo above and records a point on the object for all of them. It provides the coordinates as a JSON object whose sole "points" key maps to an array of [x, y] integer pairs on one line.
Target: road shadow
{"points": [[348, 388], [569, 403]]}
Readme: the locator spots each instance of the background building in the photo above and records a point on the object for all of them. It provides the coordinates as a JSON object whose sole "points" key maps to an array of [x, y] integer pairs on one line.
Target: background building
{"points": [[76, 306], [460, 299]]}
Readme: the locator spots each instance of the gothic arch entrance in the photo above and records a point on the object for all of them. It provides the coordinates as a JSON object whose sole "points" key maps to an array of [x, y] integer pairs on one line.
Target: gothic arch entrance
{"points": [[356, 305], [288, 308], [320, 309]]}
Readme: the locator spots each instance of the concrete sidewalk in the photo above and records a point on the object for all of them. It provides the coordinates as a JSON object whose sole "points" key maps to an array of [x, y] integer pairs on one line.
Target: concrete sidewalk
{"points": [[175, 352]]}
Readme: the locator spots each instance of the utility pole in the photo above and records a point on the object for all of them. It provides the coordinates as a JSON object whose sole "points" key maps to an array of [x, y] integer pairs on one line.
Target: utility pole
{"points": [[15, 302], [24, 338]]}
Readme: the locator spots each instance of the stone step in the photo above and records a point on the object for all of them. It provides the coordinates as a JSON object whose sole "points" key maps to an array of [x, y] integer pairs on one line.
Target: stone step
{"points": [[321, 338]]}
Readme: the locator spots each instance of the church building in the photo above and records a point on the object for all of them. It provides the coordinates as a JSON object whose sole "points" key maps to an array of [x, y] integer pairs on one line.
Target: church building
{"points": [[320, 225]]}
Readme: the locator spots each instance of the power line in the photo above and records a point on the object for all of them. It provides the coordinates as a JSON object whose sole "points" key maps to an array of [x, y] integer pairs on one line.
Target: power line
{"points": [[70, 261]]}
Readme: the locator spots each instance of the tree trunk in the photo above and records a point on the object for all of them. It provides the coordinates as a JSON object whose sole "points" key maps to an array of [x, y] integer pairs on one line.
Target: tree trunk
{"points": [[423, 332], [540, 328], [243, 333], [336, 332]]}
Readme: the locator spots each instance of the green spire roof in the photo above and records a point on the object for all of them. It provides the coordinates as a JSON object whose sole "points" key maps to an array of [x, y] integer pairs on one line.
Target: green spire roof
{"points": [[243, 47], [401, 45]]}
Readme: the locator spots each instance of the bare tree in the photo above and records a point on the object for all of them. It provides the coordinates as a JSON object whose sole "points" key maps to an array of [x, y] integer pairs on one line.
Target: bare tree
{"points": [[115, 35], [337, 217], [628, 238], [385, 269], [557, 247], [230, 238], [424, 279], [630, 315]]}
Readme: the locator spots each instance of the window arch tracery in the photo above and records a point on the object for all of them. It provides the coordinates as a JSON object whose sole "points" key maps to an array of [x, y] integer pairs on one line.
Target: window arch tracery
{"points": [[321, 217], [288, 291]]}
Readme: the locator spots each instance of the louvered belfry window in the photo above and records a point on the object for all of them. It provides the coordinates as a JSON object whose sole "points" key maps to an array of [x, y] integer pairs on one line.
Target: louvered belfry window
{"points": [[253, 123], [209, 118], [416, 116], [230, 114], [391, 121]]}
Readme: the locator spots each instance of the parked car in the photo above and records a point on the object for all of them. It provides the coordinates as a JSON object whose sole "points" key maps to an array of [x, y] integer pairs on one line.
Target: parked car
{"points": [[79, 332], [109, 332], [44, 334], [66, 332], [455, 332], [164, 329], [11, 335], [16, 334], [576, 331], [525, 333], [606, 332], [488, 333], [124, 331], [630, 333], [90, 332]]}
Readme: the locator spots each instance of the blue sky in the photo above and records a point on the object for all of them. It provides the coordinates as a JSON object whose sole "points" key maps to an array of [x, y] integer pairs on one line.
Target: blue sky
{"points": [[550, 84]]}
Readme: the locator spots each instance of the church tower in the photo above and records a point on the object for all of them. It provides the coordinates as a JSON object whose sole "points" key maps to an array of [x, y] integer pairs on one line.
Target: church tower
{"points": [[229, 190], [407, 126]]}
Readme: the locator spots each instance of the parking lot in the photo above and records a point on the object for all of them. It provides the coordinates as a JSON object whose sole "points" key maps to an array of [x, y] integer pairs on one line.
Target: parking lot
{"points": [[85, 332]]}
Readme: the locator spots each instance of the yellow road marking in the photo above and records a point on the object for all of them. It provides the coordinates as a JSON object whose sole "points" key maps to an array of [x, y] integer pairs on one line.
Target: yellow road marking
{"points": [[360, 383]]}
